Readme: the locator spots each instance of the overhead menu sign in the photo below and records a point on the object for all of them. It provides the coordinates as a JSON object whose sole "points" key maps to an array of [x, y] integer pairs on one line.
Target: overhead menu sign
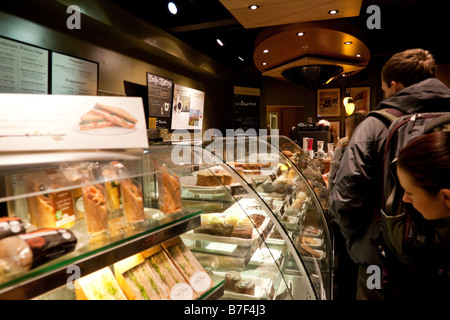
{"points": [[23, 68], [33, 122], [160, 91], [73, 76]]}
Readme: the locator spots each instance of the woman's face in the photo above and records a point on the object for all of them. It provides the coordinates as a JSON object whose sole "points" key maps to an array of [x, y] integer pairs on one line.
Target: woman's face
{"points": [[430, 206]]}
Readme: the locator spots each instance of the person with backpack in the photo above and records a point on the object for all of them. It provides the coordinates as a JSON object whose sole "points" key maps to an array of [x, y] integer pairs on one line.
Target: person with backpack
{"points": [[423, 171], [410, 86]]}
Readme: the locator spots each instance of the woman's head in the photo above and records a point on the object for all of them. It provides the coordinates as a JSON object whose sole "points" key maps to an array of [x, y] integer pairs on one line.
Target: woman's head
{"points": [[352, 121], [423, 169]]}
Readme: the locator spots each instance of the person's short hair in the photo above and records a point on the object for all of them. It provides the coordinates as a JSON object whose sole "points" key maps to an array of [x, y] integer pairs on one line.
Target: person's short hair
{"points": [[409, 67]]}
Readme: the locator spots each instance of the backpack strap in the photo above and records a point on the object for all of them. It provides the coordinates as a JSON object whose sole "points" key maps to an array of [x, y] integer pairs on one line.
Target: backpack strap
{"points": [[442, 121], [387, 115]]}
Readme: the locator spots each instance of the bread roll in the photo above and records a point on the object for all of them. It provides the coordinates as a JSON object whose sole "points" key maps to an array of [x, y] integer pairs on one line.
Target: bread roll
{"points": [[16, 254]]}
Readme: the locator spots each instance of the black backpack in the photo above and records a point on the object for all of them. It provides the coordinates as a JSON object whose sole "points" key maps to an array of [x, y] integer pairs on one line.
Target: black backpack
{"points": [[404, 230]]}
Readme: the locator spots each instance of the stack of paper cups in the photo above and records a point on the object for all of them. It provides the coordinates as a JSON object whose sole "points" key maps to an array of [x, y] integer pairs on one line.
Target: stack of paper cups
{"points": [[305, 144]]}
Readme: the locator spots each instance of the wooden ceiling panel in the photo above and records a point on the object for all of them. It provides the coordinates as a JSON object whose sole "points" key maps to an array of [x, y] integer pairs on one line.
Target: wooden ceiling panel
{"points": [[323, 42], [276, 12]]}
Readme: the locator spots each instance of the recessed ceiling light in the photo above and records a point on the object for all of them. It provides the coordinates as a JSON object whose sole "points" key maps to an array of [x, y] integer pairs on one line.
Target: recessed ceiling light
{"points": [[333, 11], [172, 8], [348, 42], [219, 42], [264, 63], [300, 34], [253, 7], [358, 56], [266, 50]]}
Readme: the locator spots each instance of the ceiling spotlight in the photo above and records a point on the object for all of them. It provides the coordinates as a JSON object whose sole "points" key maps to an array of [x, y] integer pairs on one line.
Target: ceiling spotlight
{"points": [[348, 42], [219, 42], [266, 50], [172, 8], [358, 55], [264, 63], [253, 7], [300, 34], [333, 11], [242, 59]]}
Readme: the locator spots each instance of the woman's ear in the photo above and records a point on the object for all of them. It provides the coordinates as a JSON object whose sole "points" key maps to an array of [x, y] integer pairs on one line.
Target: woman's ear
{"points": [[446, 196]]}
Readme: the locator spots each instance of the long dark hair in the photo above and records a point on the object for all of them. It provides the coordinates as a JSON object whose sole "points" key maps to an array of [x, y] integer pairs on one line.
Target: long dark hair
{"points": [[427, 159], [352, 121]]}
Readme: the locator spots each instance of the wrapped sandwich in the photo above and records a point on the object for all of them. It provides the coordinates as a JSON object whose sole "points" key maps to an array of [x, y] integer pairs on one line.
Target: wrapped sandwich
{"points": [[50, 209], [169, 275], [133, 202], [112, 185], [188, 265], [95, 210], [169, 190], [116, 218], [131, 194], [151, 275], [99, 285]]}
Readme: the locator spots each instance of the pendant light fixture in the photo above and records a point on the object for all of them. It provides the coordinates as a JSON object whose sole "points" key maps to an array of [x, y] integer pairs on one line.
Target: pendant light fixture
{"points": [[348, 104]]}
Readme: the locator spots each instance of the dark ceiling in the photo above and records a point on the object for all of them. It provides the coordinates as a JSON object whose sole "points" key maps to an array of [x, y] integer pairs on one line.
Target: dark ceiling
{"points": [[404, 24]]}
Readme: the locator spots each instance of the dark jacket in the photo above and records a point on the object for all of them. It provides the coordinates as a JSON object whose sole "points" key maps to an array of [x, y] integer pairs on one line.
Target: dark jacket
{"points": [[357, 190]]}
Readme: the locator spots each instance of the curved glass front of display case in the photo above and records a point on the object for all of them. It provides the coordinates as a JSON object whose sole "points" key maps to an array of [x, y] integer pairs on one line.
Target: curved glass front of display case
{"points": [[289, 200], [311, 170]]}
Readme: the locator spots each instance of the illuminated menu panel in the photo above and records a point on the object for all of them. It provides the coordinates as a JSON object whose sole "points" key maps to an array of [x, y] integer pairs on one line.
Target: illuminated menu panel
{"points": [[74, 76], [23, 68]]}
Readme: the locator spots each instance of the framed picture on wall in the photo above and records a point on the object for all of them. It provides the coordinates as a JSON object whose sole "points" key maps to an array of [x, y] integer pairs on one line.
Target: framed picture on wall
{"points": [[328, 102], [335, 131], [361, 97]]}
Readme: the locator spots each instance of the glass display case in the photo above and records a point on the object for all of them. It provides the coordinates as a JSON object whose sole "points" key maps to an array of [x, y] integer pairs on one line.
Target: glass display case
{"points": [[311, 169], [290, 188], [223, 219]]}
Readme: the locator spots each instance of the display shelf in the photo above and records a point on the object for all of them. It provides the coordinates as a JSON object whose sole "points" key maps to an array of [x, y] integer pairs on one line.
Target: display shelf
{"points": [[88, 259]]}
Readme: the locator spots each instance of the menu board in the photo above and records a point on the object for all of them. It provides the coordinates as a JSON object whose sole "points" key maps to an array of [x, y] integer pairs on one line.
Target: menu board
{"points": [[73, 76], [246, 108], [160, 92], [23, 68], [187, 108]]}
